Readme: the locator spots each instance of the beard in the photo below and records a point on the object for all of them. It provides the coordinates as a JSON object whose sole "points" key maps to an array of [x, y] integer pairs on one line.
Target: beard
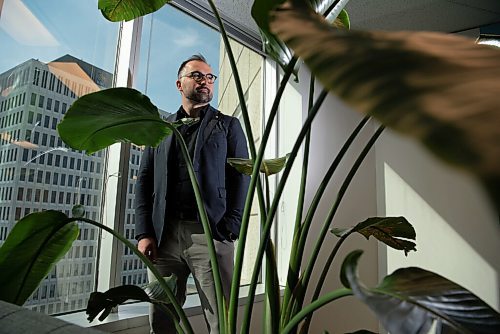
{"points": [[200, 95]]}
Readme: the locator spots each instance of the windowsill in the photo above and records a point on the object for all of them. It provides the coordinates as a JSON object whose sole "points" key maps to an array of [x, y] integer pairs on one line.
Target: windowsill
{"points": [[136, 315]]}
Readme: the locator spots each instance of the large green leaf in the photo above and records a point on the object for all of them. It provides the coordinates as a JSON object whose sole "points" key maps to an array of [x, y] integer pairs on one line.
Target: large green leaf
{"points": [[30, 251], [273, 46], [119, 10], [440, 88], [100, 119], [105, 301], [267, 167], [388, 230], [411, 299]]}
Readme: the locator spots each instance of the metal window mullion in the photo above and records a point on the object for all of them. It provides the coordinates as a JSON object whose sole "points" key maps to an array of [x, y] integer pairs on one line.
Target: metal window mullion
{"points": [[117, 158]]}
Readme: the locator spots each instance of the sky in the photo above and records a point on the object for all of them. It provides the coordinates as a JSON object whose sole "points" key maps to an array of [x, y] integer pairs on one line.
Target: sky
{"points": [[48, 29]]}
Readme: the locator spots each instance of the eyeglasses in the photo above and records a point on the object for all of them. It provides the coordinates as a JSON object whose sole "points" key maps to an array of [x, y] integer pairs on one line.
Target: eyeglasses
{"points": [[198, 77]]}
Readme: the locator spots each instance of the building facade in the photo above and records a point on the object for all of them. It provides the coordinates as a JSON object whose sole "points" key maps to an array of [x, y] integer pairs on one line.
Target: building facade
{"points": [[39, 172]]}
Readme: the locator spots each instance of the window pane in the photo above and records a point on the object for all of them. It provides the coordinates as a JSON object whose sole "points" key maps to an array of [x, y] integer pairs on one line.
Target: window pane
{"points": [[68, 44]]}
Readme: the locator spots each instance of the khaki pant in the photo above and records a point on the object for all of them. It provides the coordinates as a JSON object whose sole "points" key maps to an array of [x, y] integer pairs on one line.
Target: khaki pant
{"points": [[183, 251]]}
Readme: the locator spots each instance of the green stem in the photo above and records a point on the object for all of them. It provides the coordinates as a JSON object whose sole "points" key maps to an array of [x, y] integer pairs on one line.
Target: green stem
{"points": [[293, 273], [150, 265], [233, 303], [168, 311], [327, 298], [296, 261], [206, 227], [324, 273], [273, 208], [333, 211], [272, 284], [232, 314]]}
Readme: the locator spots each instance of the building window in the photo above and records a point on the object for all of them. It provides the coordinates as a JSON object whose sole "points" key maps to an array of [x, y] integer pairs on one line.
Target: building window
{"points": [[41, 99], [33, 99]]}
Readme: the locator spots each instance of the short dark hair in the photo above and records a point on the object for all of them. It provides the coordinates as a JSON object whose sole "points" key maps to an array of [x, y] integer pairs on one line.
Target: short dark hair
{"points": [[197, 57]]}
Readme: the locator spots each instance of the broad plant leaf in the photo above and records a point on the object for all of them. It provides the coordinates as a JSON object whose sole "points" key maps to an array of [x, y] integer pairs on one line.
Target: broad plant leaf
{"points": [[100, 119], [440, 88], [31, 249], [105, 301], [388, 230], [267, 167], [120, 10], [273, 46], [362, 331], [411, 299]]}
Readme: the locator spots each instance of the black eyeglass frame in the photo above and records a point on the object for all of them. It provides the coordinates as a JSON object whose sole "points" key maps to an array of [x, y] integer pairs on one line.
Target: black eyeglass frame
{"points": [[209, 77]]}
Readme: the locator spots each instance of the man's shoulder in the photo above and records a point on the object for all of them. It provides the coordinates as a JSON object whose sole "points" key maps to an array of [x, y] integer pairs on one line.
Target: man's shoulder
{"points": [[226, 118]]}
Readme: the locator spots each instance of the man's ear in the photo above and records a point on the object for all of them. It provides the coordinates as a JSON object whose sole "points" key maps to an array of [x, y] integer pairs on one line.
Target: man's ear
{"points": [[178, 85]]}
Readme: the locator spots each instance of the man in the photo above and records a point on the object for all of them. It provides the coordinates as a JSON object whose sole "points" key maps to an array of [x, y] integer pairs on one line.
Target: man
{"points": [[168, 228]]}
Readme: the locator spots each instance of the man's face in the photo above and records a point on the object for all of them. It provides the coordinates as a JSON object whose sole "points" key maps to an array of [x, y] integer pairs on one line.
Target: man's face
{"points": [[197, 91]]}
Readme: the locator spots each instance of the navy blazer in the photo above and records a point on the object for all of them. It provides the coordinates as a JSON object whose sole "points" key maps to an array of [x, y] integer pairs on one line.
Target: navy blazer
{"points": [[222, 187]]}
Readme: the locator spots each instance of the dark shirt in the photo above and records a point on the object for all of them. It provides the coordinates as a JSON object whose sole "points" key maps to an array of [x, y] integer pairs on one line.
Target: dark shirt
{"points": [[181, 195]]}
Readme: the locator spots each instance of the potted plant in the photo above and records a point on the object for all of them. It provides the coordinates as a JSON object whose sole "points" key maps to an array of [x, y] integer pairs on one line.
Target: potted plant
{"points": [[410, 299]]}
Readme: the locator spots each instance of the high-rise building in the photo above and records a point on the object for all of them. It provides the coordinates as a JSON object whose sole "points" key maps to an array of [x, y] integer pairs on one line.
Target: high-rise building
{"points": [[39, 172]]}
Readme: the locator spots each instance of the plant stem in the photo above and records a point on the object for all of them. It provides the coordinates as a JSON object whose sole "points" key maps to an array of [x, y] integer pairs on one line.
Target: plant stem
{"points": [[206, 227], [296, 261], [333, 211], [233, 303], [150, 265], [293, 273], [273, 208], [324, 273], [325, 299], [231, 321]]}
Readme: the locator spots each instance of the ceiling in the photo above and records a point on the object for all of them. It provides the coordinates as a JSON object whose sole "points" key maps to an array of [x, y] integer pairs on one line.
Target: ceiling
{"points": [[436, 15]]}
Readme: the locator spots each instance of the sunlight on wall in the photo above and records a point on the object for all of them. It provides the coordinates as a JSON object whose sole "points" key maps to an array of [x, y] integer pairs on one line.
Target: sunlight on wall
{"points": [[439, 247]]}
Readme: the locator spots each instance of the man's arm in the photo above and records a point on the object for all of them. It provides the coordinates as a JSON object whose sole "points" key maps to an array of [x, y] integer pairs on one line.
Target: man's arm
{"points": [[236, 183]]}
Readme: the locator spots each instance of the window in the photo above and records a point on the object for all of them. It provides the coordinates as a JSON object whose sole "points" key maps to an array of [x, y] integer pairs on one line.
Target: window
{"points": [[33, 99], [40, 101], [47, 77]]}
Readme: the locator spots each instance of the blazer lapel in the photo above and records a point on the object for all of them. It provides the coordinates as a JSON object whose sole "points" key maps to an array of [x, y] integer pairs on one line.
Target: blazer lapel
{"points": [[207, 125], [164, 148]]}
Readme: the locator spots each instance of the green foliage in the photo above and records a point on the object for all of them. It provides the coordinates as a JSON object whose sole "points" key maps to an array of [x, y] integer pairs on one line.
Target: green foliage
{"points": [[100, 119], [411, 299], [439, 88], [267, 167], [105, 301], [388, 230], [155, 291], [30, 251], [120, 10], [275, 47]]}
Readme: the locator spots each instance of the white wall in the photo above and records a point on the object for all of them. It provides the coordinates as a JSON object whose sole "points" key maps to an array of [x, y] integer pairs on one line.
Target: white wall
{"points": [[457, 230], [330, 129]]}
